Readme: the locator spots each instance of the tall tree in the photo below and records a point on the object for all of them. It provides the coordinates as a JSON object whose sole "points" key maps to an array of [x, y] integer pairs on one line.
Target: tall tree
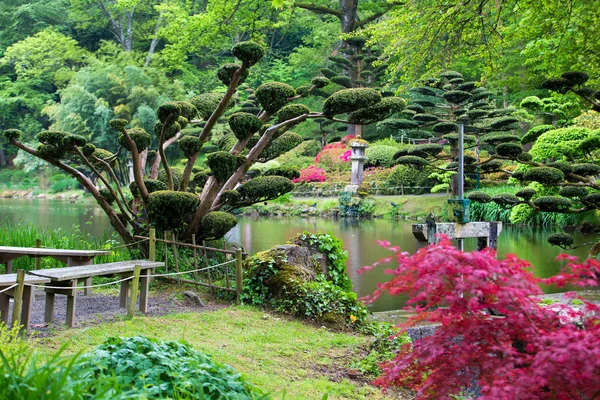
{"points": [[512, 42]]}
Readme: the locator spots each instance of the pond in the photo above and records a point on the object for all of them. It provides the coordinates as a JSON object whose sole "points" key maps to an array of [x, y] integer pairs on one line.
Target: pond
{"points": [[359, 237]]}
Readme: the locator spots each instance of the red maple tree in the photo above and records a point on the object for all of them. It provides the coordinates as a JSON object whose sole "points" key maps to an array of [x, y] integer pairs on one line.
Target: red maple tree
{"points": [[491, 327]]}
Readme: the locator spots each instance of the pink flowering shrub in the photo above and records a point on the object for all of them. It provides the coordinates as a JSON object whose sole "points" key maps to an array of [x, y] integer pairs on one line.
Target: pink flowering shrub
{"points": [[311, 174], [346, 139], [345, 157], [329, 149], [492, 329]]}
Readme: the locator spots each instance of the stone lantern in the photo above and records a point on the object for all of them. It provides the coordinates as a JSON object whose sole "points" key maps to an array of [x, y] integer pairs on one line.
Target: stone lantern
{"points": [[358, 158]]}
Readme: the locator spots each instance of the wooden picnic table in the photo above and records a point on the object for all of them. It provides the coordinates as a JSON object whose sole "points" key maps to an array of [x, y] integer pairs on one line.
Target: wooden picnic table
{"points": [[70, 257], [8, 280], [64, 281]]}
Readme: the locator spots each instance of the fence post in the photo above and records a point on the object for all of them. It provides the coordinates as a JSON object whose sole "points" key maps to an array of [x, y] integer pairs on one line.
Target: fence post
{"points": [[239, 278], [18, 306], [152, 247], [134, 290], [38, 244]]}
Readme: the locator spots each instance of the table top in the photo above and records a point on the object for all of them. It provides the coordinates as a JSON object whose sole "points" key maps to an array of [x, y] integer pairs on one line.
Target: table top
{"points": [[40, 251], [87, 271], [10, 279]]}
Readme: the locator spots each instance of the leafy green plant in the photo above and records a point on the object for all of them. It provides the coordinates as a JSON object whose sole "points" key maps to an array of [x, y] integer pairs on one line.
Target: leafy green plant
{"points": [[156, 369]]}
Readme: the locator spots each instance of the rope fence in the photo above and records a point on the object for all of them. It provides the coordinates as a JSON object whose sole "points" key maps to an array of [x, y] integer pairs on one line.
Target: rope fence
{"points": [[8, 288]]}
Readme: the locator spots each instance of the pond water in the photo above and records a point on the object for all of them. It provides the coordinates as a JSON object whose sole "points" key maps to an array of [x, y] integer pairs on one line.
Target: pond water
{"points": [[359, 237]]}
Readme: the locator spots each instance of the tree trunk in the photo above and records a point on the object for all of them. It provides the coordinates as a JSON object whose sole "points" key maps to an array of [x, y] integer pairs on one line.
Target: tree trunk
{"points": [[154, 42]]}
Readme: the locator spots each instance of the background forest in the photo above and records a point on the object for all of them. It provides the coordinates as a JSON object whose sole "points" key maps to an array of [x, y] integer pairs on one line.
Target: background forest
{"points": [[73, 65]]}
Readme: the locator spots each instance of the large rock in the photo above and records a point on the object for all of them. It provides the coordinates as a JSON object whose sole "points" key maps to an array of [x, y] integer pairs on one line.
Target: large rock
{"points": [[290, 263]]}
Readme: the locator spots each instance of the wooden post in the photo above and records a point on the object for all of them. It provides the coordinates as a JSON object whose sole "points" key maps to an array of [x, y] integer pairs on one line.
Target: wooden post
{"points": [[152, 246], [208, 270], [227, 284], [38, 244], [239, 277], [195, 257], [18, 306], [134, 291], [166, 252], [176, 259]]}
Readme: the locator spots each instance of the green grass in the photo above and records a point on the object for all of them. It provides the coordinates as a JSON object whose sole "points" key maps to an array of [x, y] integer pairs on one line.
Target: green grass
{"points": [[20, 235], [286, 358]]}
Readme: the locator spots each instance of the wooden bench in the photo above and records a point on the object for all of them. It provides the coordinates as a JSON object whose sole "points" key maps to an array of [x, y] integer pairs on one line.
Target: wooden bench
{"points": [[8, 280], [70, 257], [64, 281]]}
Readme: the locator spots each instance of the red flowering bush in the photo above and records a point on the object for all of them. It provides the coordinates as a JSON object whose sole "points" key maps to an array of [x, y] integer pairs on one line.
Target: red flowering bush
{"points": [[491, 328], [311, 174]]}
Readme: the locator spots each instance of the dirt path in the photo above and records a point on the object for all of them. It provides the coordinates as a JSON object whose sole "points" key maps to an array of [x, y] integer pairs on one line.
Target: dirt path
{"points": [[102, 308]]}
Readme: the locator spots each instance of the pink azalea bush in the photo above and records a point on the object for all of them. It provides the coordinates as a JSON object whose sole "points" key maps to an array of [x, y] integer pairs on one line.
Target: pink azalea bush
{"points": [[345, 157], [492, 329], [311, 174]]}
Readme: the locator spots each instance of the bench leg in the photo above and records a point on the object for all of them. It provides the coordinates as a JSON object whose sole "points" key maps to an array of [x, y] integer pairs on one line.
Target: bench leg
{"points": [[8, 267], [28, 297], [71, 300], [88, 291], [49, 310], [4, 301], [144, 281], [124, 293]]}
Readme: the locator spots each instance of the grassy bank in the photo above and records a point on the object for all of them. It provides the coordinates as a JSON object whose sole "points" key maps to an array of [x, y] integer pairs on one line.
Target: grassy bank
{"points": [[290, 359], [381, 207]]}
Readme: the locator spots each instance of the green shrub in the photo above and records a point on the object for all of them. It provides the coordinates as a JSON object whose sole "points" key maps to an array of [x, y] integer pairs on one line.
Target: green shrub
{"points": [[190, 145], [170, 210], [248, 52], [534, 133], [510, 150], [287, 171], [152, 185], [586, 169], [380, 156], [378, 111], [552, 203], [292, 111], [153, 369], [272, 96], [176, 174], [544, 175], [207, 103], [404, 175], [216, 224], [558, 143], [349, 100], [280, 145], [140, 137], [226, 71], [222, 164], [244, 125], [265, 188], [12, 134]]}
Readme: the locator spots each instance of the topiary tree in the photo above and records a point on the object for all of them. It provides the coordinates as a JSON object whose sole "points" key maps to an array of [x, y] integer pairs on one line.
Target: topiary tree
{"points": [[563, 159], [190, 201], [437, 109]]}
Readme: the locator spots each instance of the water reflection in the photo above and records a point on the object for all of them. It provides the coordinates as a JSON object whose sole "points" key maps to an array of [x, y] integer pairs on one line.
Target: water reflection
{"points": [[258, 234]]}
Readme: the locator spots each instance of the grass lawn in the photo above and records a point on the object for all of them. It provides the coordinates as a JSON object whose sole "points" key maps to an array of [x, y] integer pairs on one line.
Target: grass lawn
{"points": [[290, 359]]}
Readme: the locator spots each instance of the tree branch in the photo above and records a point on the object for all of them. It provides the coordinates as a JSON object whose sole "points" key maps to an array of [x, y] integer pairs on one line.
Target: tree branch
{"points": [[317, 9], [379, 14]]}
